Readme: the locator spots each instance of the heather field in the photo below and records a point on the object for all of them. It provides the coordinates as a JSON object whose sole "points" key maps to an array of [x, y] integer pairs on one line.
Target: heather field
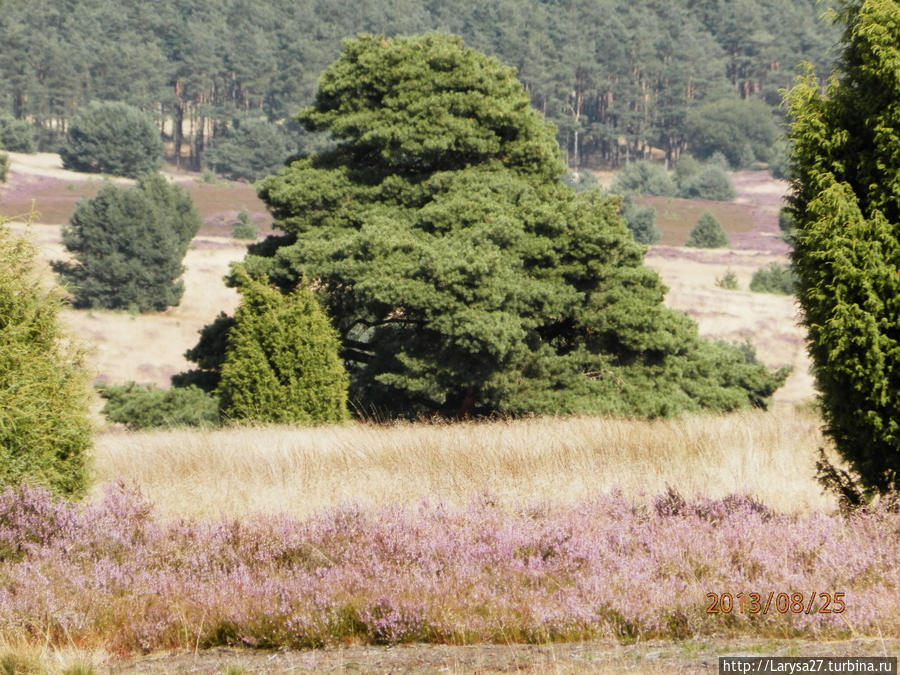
{"points": [[537, 545]]}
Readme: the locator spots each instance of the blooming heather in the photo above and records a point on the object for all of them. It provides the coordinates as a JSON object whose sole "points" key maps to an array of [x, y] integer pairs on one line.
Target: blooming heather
{"points": [[112, 575]]}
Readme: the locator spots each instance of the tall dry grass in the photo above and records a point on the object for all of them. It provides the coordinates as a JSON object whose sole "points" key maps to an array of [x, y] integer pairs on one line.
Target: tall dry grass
{"points": [[240, 471]]}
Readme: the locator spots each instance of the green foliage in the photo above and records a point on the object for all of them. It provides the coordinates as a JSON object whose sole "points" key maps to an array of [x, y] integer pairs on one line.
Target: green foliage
{"points": [[643, 178], [728, 281], [462, 275], [112, 138], [845, 172], [243, 228], [4, 167], [143, 407], [281, 362], [129, 243], [16, 135], [248, 150], [686, 168], [707, 233], [774, 278], [641, 221], [45, 430], [786, 220], [742, 130], [711, 183]]}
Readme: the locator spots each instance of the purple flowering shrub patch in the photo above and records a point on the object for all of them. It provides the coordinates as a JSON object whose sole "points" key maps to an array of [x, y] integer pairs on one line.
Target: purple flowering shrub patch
{"points": [[113, 575]]}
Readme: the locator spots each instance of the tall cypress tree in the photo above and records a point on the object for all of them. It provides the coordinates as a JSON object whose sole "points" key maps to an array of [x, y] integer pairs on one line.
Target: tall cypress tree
{"points": [[846, 204]]}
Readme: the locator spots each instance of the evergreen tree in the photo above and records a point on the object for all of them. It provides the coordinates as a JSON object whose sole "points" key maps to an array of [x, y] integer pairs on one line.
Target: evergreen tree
{"points": [[462, 275], [845, 170], [249, 150], [129, 244], [281, 363], [641, 221], [707, 233], [112, 138], [45, 430]]}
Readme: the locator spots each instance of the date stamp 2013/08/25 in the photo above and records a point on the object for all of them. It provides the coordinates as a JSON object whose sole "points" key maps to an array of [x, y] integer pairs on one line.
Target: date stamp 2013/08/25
{"points": [[783, 603]]}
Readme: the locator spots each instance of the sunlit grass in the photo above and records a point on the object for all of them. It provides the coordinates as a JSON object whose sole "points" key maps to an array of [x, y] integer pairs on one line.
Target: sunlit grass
{"points": [[240, 471]]}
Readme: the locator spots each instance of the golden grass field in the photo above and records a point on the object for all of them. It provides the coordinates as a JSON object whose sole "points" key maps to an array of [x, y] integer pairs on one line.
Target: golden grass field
{"points": [[242, 471]]}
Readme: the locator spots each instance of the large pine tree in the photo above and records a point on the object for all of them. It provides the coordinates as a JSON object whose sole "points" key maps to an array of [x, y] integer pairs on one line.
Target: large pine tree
{"points": [[462, 275], [846, 204]]}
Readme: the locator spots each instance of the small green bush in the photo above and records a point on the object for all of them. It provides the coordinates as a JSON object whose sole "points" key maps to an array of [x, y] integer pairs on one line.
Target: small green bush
{"points": [[643, 178], [243, 228], [142, 407], [113, 138], [16, 135], [712, 183], [45, 429], [641, 221], [786, 220], [728, 281], [4, 167], [281, 361], [774, 278], [708, 233]]}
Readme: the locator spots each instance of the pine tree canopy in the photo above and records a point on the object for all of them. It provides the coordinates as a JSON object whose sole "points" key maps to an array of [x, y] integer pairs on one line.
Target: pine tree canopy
{"points": [[846, 208], [461, 274]]}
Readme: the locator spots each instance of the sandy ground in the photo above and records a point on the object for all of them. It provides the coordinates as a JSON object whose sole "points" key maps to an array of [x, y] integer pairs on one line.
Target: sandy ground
{"points": [[699, 655]]}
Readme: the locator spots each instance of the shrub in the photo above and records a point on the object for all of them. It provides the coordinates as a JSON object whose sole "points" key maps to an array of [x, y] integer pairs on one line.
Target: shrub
{"points": [[113, 138], [4, 167], [641, 222], [16, 135], [686, 166], [728, 281], [786, 220], [129, 244], [774, 278], [44, 424], [249, 150], [141, 407], [243, 228], [742, 130], [281, 362], [712, 183], [643, 177], [708, 233]]}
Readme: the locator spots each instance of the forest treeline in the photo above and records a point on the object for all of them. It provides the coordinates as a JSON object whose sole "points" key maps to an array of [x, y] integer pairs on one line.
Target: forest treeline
{"points": [[616, 76]]}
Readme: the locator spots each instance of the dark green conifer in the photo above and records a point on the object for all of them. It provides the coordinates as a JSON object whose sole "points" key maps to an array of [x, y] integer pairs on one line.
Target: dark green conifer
{"points": [[845, 170]]}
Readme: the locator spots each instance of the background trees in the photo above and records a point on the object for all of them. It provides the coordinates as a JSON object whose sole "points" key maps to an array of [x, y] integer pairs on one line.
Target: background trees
{"points": [[128, 244], [112, 138], [459, 271], [846, 208], [615, 77], [44, 425]]}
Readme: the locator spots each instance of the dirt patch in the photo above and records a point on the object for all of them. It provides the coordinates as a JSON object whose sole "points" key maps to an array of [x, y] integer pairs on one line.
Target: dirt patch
{"points": [[39, 181], [690, 656]]}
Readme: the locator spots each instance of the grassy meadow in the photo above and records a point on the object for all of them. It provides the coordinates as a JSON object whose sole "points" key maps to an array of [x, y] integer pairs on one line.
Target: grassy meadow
{"points": [[537, 530]]}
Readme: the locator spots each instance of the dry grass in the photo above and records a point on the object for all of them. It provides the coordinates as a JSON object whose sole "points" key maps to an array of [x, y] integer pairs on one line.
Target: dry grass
{"points": [[234, 472]]}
